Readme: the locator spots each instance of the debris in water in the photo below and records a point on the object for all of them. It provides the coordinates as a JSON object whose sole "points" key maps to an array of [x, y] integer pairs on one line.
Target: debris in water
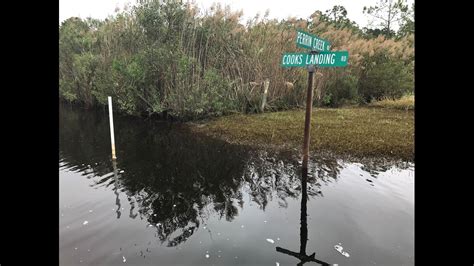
{"points": [[235, 257], [124, 259], [67, 227], [219, 251], [265, 221], [339, 248], [277, 263], [278, 238], [85, 222], [242, 226], [204, 227], [218, 256], [368, 180], [80, 261], [75, 248], [218, 234], [150, 225], [270, 240], [207, 256], [88, 250], [154, 214], [158, 224], [90, 210]]}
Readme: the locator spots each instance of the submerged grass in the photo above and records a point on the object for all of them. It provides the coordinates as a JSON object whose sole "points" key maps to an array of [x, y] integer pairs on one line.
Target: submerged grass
{"points": [[359, 132]]}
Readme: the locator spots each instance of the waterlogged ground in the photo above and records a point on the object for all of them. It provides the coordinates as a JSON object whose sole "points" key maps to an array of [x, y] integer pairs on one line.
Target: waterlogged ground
{"points": [[178, 198], [350, 132]]}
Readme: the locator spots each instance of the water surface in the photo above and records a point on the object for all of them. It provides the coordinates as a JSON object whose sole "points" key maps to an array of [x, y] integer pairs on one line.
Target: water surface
{"points": [[177, 198]]}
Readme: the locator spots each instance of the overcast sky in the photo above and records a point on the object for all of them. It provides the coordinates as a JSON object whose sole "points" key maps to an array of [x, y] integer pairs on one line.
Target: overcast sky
{"points": [[279, 9]]}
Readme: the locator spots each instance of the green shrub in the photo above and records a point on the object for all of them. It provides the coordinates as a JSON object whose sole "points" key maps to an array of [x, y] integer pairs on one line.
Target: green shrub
{"points": [[385, 77], [341, 89]]}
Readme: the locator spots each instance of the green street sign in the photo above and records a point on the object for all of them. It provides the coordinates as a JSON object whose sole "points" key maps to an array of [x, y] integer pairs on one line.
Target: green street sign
{"points": [[322, 59], [308, 41]]}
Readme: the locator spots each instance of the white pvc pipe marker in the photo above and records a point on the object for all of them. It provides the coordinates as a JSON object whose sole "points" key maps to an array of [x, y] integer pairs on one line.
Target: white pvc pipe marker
{"points": [[111, 119]]}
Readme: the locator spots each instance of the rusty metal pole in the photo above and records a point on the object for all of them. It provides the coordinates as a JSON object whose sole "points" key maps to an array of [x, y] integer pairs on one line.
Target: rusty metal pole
{"points": [[307, 122]]}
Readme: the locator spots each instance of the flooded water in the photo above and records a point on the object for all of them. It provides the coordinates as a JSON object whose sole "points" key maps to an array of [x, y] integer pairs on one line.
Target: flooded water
{"points": [[176, 198]]}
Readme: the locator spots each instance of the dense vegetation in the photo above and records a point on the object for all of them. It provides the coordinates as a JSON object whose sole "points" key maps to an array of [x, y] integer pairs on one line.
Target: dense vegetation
{"points": [[169, 57]]}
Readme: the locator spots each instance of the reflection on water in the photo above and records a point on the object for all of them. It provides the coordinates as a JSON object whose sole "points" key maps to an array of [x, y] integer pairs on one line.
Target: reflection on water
{"points": [[302, 256], [175, 180], [172, 175], [116, 187]]}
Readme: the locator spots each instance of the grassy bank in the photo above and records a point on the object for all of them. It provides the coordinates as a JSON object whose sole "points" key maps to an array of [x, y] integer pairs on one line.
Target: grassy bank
{"points": [[359, 132]]}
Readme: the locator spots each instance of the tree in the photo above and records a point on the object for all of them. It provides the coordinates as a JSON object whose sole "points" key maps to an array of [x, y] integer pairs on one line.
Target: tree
{"points": [[407, 22], [374, 33], [73, 41], [386, 14], [338, 13], [338, 17]]}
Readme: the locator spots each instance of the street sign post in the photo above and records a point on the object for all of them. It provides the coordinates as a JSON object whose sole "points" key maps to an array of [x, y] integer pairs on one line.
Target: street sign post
{"points": [[308, 41], [319, 56], [322, 59]]}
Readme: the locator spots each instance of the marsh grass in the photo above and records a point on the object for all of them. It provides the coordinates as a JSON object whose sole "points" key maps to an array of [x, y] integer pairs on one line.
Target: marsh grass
{"points": [[359, 132], [407, 102]]}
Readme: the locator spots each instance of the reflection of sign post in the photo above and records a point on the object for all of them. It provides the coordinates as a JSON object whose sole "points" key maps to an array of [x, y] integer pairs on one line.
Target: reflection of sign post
{"points": [[302, 256], [320, 56]]}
